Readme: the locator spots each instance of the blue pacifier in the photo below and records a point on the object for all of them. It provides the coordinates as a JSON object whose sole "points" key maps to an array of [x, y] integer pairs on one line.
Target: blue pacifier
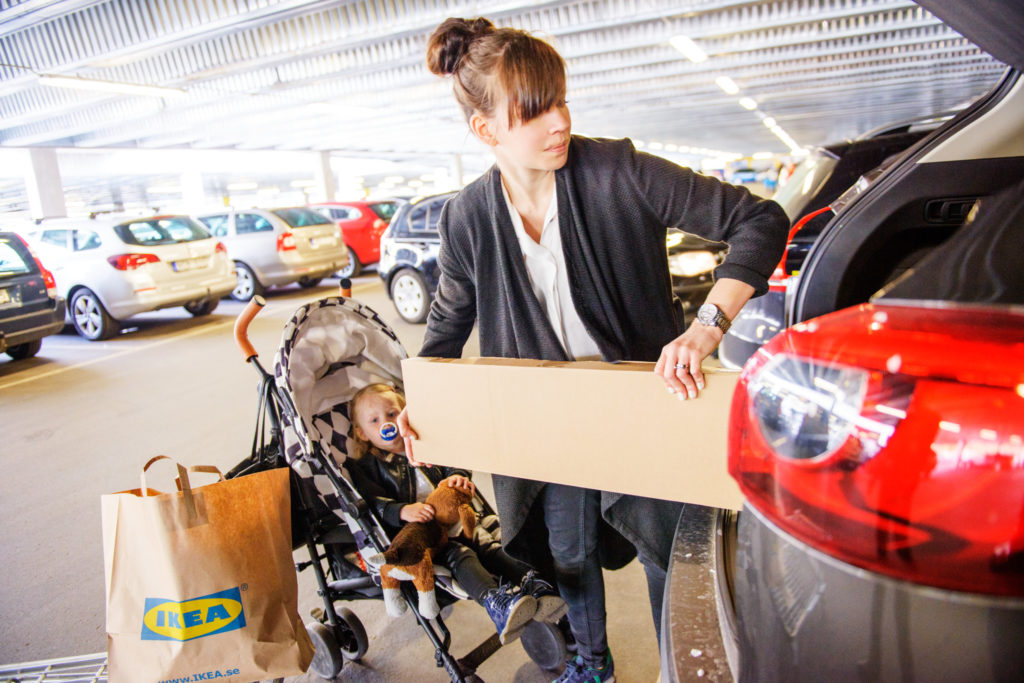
{"points": [[389, 431]]}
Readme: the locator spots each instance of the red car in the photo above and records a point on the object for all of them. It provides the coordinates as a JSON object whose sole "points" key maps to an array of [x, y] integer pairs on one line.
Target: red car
{"points": [[362, 223]]}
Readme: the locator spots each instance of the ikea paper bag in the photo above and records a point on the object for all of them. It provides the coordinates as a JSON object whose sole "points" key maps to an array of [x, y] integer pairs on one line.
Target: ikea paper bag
{"points": [[200, 582]]}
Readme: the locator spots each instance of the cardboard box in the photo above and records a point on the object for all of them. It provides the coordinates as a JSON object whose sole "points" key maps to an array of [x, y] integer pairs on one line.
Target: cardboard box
{"points": [[607, 426]]}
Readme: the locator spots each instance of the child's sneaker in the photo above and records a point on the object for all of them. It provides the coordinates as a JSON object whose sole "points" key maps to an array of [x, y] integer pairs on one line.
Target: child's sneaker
{"points": [[578, 672], [550, 606], [510, 612]]}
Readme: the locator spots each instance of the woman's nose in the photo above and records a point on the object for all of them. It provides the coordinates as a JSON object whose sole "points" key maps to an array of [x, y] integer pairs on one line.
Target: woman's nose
{"points": [[558, 119]]}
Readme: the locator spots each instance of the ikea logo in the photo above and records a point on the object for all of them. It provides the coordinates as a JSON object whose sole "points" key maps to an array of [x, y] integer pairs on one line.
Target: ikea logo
{"points": [[195, 618]]}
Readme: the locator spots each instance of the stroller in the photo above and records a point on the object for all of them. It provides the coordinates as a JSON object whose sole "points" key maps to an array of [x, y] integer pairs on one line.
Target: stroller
{"points": [[329, 350]]}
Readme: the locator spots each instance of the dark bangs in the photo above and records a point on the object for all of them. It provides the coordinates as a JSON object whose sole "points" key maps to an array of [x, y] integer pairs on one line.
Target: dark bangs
{"points": [[532, 74]]}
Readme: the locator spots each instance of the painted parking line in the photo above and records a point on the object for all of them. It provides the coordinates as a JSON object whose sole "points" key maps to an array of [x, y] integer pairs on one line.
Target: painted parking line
{"points": [[270, 309]]}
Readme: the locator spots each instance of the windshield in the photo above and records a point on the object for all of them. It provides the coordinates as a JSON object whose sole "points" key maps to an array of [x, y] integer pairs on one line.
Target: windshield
{"points": [[12, 261], [808, 177], [162, 230], [301, 217], [384, 210]]}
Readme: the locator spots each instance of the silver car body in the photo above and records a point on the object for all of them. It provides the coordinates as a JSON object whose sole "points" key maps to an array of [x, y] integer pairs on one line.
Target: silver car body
{"points": [[77, 250], [252, 237]]}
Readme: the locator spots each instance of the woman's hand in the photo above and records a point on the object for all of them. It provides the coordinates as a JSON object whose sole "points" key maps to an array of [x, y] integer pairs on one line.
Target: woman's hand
{"points": [[408, 435], [679, 363], [459, 481], [416, 512]]}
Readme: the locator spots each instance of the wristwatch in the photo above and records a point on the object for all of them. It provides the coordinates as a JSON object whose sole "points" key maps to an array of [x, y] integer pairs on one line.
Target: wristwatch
{"points": [[712, 316]]}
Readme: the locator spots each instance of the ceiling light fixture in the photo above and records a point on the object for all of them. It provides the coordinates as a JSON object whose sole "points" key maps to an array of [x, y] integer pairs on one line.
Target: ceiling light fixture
{"points": [[79, 83], [728, 85], [690, 49], [748, 103]]}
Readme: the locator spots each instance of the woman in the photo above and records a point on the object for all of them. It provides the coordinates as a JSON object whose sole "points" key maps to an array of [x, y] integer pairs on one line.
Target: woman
{"points": [[558, 252]]}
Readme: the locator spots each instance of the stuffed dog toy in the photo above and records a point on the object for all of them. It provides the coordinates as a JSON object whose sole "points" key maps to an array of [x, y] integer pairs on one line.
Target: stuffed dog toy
{"points": [[410, 556]]}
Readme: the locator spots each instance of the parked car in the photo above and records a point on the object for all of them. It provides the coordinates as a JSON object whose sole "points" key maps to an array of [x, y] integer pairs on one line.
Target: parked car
{"points": [[878, 439], [362, 223], [274, 247], [409, 248], [30, 306], [808, 198], [110, 269], [408, 256]]}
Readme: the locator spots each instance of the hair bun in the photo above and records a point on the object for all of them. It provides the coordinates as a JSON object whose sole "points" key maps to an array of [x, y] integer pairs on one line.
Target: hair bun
{"points": [[450, 42]]}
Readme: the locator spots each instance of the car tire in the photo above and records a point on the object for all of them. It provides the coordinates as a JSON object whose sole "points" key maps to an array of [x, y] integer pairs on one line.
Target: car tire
{"points": [[90, 318], [309, 282], [202, 307], [410, 295], [354, 267], [26, 350], [248, 284]]}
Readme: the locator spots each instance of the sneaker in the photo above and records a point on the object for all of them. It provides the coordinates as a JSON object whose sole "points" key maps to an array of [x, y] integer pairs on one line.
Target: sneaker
{"points": [[510, 612], [550, 606], [578, 672]]}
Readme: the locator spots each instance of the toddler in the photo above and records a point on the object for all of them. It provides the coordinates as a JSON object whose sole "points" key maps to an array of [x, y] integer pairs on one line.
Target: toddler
{"points": [[396, 490]]}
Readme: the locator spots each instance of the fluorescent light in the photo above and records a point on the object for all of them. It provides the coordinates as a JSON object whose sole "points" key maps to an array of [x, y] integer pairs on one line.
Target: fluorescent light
{"points": [[768, 121], [728, 85], [689, 49], [79, 83], [748, 103]]}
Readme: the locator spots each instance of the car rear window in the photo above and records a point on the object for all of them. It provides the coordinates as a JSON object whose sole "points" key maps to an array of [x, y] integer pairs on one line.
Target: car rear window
{"points": [[384, 210], [301, 217], [164, 230], [13, 260]]}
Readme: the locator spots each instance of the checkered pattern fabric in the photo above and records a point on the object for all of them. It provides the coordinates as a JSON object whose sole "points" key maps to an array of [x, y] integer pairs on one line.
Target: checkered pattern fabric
{"points": [[329, 350]]}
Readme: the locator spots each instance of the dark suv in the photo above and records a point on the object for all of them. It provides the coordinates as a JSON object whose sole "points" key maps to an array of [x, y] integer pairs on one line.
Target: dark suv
{"points": [[30, 307]]}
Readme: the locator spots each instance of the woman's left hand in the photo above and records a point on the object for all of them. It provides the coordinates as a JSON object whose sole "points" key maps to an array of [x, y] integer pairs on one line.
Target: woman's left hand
{"points": [[459, 481], [679, 363]]}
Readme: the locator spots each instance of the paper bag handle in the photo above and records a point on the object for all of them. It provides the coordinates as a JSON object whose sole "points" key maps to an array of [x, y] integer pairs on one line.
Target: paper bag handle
{"points": [[181, 481]]}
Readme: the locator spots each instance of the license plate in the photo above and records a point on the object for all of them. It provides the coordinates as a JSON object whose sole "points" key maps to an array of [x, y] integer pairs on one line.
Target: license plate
{"points": [[182, 266], [10, 299], [317, 242]]}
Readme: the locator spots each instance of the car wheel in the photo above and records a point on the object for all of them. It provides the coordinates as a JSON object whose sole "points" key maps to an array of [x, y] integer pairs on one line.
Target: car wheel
{"points": [[354, 267], [309, 282], [409, 292], [26, 350], [202, 307], [89, 317], [248, 284]]}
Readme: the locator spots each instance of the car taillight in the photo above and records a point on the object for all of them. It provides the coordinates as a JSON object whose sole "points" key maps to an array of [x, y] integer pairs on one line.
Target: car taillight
{"points": [[220, 248], [286, 241], [131, 261], [48, 279], [892, 438]]}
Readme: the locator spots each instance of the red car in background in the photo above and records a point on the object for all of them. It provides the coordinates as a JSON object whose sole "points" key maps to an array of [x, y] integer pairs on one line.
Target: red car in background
{"points": [[362, 223]]}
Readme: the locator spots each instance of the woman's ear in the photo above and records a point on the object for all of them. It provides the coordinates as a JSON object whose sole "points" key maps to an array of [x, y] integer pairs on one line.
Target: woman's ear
{"points": [[482, 128]]}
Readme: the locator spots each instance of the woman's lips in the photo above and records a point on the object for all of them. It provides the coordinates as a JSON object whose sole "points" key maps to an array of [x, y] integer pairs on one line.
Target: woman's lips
{"points": [[559, 148]]}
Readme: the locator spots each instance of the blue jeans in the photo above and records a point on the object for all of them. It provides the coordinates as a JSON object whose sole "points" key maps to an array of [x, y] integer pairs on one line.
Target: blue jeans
{"points": [[571, 516]]}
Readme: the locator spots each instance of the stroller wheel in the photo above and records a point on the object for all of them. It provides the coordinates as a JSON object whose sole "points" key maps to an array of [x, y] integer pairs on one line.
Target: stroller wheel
{"points": [[545, 644], [327, 660], [350, 635]]}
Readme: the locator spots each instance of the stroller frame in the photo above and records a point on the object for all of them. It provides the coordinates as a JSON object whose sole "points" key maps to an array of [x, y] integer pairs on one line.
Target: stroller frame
{"points": [[338, 634]]}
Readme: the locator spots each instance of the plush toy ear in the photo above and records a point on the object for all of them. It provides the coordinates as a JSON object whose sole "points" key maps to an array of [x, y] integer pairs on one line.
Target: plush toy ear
{"points": [[467, 515]]}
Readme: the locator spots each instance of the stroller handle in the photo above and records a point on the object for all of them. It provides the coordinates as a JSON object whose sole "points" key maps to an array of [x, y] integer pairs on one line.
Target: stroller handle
{"points": [[242, 327]]}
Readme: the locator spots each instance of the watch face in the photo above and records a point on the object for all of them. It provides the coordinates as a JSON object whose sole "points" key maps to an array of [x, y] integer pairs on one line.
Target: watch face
{"points": [[706, 314]]}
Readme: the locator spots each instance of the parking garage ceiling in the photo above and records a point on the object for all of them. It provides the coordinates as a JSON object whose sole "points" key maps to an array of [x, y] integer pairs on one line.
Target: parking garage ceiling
{"points": [[350, 76]]}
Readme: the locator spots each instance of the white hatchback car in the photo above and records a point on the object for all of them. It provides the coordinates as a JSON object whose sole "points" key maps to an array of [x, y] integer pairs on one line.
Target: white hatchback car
{"points": [[110, 269], [278, 247]]}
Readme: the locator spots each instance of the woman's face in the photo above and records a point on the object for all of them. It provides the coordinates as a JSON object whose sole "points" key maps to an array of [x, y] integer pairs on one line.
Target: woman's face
{"points": [[374, 410], [540, 144]]}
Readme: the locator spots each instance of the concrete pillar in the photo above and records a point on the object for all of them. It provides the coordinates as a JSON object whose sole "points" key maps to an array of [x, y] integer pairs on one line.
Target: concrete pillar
{"points": [[457, 171], [327, 185], [43, 184]]}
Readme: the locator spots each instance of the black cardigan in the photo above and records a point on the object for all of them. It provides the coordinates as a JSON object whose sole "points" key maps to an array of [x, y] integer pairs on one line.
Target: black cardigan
{"points": [[614, 207]]}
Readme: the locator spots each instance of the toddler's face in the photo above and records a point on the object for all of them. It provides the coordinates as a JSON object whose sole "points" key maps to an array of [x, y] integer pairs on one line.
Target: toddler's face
{"points": [[374, 410]]}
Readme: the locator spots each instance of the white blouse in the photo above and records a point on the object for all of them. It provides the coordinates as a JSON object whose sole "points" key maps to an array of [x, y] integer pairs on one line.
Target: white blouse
{"points": [[549, 279]]}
